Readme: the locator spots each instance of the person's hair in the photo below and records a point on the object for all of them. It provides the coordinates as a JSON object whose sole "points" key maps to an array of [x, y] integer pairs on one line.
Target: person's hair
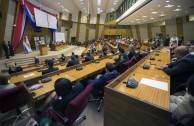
{"points": [[73, 53], [88, 53], [46, 61], [182, 50], [76, 56], [190, 85], [62, 55], [12, 66], [109, 67], [4, 79], [63, 86], [50, 63], [132, 49], [82, 55]]}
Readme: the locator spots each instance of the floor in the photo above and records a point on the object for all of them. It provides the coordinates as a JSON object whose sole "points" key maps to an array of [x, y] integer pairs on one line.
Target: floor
{"points": [[93, 118]]}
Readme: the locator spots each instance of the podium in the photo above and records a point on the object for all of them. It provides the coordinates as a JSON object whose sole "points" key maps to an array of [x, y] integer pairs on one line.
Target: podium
{"points": [[57, 47], [43, 49]]}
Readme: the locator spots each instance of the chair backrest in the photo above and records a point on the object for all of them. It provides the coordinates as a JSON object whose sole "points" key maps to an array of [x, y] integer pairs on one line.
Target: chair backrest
{"points": [[133, 60], [125, 66], [13, 98], [74, 108]]}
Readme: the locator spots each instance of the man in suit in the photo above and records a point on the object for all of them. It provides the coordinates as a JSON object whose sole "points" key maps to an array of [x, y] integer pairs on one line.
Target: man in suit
{"points": [[89, 57], [180, 70], [10, 49], [50, 67], [101, 80], [72, 62], [167, 40], [6, 49]]}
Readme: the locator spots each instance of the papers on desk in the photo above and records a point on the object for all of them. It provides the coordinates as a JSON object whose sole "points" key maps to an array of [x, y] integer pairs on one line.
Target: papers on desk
{"points": [[156, 84], [29, 75]]}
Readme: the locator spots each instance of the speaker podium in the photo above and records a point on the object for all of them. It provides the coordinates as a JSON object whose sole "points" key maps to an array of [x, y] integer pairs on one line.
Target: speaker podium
{"points": [[43, 49]]}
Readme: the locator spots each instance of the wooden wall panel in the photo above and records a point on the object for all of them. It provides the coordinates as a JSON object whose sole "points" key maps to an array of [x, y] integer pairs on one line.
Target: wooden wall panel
{"points": [[179, 26], [69, 29], [163, 31], [138, 32], [60, 22], [130, 31], [87, 30], [97, 26], [4, 9], [149, 28], [78, 26], [29, 31]]}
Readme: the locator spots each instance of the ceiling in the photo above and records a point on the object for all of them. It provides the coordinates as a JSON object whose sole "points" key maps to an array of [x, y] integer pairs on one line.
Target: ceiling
{"points": [[160, 10], [74, 6]]}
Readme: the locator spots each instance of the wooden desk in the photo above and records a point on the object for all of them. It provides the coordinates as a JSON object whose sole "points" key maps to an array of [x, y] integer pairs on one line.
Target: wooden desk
{"points": [[57, 47], [43, 49], [142, 106], [125, 46], [114, 48]]}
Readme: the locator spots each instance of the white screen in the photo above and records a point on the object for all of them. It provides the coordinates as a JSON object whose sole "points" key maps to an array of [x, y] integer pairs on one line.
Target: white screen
{"points": [[52, 22], [41, 18], [59, 36]]}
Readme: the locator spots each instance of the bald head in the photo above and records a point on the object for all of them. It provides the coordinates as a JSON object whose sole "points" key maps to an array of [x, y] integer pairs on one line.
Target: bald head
{"points": [[181, 51]]}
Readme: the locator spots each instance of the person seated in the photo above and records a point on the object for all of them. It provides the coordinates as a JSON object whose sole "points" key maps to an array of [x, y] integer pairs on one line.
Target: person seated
{"points": [[121, 50], [103, 55], [112, 51], [119, 61], [65, 92], [89, 56], [4, 83], [104, 48], [50, 69], [72, 62], [180, 70], [132, 52], [173, 46], [46, 62], [36, 61], [181, 105], [100, 80], [63, 57], [14, 69]]}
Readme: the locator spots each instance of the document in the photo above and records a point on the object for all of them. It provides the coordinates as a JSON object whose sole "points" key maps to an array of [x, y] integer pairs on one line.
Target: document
{"points": [[156, 84], [29, 75]]}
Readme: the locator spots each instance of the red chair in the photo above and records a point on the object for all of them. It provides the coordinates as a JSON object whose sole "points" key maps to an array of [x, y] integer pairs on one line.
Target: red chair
{"points": [[73, 110], [133, 60], [125, 66], [13, 99]]}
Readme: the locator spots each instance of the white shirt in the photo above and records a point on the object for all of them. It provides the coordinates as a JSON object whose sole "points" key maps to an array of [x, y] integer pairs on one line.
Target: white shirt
{"points": [[174, 39]]}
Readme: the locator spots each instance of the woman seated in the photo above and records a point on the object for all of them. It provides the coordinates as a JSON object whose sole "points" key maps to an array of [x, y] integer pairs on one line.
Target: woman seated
{"points": [[4, 83]]}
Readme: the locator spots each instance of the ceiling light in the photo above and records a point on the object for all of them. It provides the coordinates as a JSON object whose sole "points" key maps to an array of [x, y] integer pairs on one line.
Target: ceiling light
{"points": [[152, 18], [151, 9], [161, 12], [137, 19], [169, 5], [82, 3], [162, 15], [59, 3], [99, 2], [81, 0], [177, 9], [144, 16], [158, 5], [167, 1], [179, 6], [154, 12]]}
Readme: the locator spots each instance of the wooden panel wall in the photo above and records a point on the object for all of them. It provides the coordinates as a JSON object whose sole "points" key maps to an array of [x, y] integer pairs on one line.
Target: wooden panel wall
{"points": [[60, 22], [78, 26], [29, 31], [138, 32], [163, 31], [149, 28], [130, 32], [97, 26], [179, 26], [69, 29], [4, 9], [87, 30]]}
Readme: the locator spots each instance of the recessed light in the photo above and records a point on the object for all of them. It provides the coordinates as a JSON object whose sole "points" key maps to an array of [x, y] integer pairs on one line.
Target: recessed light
{"points": [[59, 3], [162, 15], [161, 12], [158, 5], [82, 3], [152, 18], [154, 12], [177, 9], [169, 5], [179, 6], [167, 1], [151, 9], [144, 16], [137, 19]]}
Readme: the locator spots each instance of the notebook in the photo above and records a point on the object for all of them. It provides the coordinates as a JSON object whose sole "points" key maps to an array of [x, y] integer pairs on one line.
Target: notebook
{"points": [[34, 85]]}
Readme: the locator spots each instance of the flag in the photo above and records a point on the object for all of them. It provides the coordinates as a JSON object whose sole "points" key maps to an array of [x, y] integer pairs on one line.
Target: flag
{"points": [[26, 44]]}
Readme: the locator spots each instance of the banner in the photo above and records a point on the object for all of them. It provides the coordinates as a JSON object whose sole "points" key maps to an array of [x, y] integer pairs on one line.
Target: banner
{"points": [[26, 45]]}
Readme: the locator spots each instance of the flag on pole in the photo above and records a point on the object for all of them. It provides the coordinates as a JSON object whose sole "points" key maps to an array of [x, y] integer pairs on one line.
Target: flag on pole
{"points": [[26, 44]]}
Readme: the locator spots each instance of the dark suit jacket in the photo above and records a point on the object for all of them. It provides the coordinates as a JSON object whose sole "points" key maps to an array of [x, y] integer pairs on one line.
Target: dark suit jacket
{"points": [[180, 70], [49, 70], [72, 62], [60, 105]]}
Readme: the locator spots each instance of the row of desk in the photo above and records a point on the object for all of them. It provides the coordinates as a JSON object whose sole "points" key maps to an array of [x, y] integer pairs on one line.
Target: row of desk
{"points": [[144, 105]]}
